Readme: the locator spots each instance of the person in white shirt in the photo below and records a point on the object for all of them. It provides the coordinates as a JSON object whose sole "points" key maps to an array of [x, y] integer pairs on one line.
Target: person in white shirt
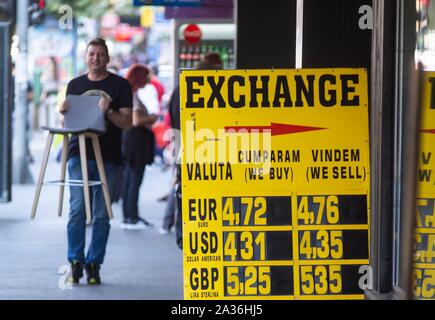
{"points": [[148, 95]]}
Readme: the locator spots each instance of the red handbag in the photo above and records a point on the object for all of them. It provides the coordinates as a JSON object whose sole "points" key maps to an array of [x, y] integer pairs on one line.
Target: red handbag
{"points": [[159, 129]]}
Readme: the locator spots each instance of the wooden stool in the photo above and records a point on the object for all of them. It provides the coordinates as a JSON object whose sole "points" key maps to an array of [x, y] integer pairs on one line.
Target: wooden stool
{"points": [[82, 135]]}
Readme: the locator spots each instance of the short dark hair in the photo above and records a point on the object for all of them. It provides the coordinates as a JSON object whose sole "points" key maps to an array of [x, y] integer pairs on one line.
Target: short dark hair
{"points": [[99, 42], [211, 61], [214, 59]]}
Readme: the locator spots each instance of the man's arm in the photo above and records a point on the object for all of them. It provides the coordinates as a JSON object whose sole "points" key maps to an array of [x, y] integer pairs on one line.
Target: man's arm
{"points": [[63, 108], [140, 119], [121, 118]]}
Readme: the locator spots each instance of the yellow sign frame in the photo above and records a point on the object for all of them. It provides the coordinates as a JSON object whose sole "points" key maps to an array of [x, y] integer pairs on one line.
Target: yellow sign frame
{"points": [[255, 145]]}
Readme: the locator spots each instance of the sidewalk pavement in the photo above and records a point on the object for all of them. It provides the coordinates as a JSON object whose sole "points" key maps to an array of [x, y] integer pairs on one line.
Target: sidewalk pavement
{"points": [[138, 265]]}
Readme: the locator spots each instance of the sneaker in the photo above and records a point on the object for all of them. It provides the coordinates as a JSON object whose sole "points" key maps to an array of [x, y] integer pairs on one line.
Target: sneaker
{"points": [[93, 273], [139, 224], [124, 223], [164, 231], [163, 198], [128, 223], [76, 272], [148, 225]]}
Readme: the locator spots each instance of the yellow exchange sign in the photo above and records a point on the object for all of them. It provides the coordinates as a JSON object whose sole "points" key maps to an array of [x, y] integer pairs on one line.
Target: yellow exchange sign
{"points": [[424, 258], [275, 183]]}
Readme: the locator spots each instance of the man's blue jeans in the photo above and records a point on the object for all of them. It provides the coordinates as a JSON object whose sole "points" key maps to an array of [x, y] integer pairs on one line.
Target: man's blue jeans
{"points": [[77, 216]]}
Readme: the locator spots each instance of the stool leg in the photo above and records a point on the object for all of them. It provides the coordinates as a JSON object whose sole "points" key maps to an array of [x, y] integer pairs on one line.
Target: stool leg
{"points": [[63, 171], [102, 172], [42, 173], [83, 160]]}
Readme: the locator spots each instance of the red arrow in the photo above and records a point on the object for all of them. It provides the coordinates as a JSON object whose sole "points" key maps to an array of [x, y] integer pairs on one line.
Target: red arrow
{"points": [[276, 129], [429, 131]]}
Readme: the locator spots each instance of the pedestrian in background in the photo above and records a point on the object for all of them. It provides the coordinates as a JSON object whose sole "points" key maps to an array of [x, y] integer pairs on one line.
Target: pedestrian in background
{"points": [[173, 213], [50, 89], [138, 150], [116, 103]]}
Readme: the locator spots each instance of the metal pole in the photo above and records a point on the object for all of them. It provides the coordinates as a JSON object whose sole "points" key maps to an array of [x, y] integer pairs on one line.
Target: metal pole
{"points": [[299, 33], [21, 172], [408, 94], [382, 149], [5, 112]]}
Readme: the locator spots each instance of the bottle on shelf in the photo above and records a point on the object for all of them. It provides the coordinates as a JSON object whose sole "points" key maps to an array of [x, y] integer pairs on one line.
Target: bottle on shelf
{"points": [[196, 54], [224, 56], [182, 60], [231, 58], [189, 54], [210, 48], [203, 52]]}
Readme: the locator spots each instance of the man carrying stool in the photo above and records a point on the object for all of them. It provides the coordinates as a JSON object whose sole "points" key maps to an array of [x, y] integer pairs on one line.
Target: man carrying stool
{"points": [[116, 103]]}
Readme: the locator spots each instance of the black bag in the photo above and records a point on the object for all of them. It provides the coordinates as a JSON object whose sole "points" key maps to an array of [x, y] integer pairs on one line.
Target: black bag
{"points": [[138, 147], [150, 146]]}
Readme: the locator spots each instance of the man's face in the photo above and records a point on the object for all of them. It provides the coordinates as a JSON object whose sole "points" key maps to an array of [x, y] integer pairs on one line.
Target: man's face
{"points": [[96, 58]]}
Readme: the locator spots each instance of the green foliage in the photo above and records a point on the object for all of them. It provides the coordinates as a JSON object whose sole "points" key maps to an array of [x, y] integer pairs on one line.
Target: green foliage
{"points": [[93, 8], [81, 8], [126, 8]]}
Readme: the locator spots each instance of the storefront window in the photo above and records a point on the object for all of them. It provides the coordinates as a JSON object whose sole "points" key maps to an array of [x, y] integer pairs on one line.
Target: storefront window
{"points": [[425, 52]]}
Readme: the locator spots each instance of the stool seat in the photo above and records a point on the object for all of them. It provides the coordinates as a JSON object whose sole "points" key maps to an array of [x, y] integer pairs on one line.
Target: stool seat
{"points": [[82, 135], [71, 131]]}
